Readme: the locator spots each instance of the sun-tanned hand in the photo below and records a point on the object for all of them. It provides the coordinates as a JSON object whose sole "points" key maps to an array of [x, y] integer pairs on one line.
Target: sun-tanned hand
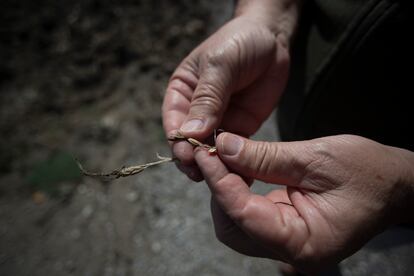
{"points": [[233, 80], [341, 191]]}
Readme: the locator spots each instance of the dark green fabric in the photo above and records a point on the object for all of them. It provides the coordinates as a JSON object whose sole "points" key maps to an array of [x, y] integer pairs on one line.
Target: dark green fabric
{"points": [[351, 72]]}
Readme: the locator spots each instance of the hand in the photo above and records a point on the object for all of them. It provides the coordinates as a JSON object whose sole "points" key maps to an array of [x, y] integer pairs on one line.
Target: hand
{"points": [[232, 81], [341, 191]]}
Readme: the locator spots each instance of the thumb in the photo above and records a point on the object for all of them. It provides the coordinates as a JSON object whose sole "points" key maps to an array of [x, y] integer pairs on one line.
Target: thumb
{"points": [[283, 163], [209, 101]]}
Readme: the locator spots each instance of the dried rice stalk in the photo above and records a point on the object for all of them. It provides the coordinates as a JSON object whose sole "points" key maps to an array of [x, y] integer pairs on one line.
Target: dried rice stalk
{"points": [[125, 171], [179, 137], [132, 170]]}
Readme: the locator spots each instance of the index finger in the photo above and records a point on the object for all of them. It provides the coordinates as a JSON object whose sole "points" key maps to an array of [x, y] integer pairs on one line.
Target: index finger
{"points": [[176, 104], [229, 190], [175, 109]]}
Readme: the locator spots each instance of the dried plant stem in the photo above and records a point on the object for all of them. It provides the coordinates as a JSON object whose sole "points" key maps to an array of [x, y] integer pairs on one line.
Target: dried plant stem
{"points": [[126, 171], [132, 170], [179, 137]]}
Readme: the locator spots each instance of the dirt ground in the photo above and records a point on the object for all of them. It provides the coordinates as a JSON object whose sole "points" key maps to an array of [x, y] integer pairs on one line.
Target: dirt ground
{"points": [[86, 78]]}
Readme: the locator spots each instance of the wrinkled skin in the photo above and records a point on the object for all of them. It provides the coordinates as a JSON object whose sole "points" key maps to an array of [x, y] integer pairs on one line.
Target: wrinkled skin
{"points": [[222, 83], [341, 191]]}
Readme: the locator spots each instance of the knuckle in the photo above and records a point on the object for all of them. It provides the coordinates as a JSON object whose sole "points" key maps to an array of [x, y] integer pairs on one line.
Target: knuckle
{"points": [[208, 99], [214, 58], [316, 167], [320, 154], [227, 51], [247, 211], [264, 154], [226, 56]]}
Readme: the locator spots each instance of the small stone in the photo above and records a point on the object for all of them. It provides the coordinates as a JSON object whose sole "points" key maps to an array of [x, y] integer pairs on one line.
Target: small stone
{"points": [[39, 197], [194, 26], [156, 247], [87, 211], [75, 234], [131, 196], [82, 189]]}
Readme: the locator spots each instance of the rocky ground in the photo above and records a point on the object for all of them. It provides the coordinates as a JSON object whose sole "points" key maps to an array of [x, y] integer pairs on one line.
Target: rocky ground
{"points": [[86, 79]]}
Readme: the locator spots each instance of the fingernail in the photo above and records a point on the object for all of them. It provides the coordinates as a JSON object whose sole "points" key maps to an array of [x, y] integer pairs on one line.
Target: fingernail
{"points": [[231, 144], [193, 125]]}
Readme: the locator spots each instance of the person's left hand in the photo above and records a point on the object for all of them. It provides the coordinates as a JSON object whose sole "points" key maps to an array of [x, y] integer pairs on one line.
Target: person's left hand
{"points": [[341, 191], [233, 80]]}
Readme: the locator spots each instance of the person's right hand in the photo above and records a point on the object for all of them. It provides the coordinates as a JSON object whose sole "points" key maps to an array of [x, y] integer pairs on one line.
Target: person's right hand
{"points": [[232, 81]]}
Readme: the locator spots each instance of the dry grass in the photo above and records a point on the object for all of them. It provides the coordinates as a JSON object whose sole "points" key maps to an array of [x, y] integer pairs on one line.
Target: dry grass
{"points": [[132, 170]]}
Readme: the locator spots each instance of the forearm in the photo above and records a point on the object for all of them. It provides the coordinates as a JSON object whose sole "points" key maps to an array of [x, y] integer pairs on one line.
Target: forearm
{"points": [[281, 16]]}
